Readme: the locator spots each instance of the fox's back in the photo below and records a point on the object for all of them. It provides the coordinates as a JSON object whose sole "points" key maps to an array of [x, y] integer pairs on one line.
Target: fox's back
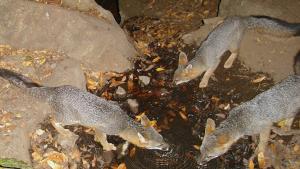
{"points": [[76, 106], [221, 38], [278, 103], [281, 101]]}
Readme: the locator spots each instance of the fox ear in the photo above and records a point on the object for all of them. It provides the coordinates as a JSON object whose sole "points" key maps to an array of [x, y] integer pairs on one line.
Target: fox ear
{"points": [[189, 68], [182, 59], [223, 139], [142, 138], [210, 126], [145, 121]]}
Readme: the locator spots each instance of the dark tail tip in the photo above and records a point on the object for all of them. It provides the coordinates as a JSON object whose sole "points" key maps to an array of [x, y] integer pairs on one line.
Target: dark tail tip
{"points": [[17, 79]]}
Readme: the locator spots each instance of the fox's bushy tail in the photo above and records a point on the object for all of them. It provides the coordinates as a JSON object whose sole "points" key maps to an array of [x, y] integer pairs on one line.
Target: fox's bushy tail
{"points": [[25, 83], [273, 26]]}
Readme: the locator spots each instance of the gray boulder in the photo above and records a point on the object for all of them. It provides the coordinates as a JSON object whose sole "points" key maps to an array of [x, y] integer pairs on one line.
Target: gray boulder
{"points": [[96, 43]]}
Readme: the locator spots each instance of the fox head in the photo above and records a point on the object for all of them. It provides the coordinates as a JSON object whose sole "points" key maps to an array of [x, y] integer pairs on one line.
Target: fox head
{"points": [[144, 135], [215, 143], [186, 71]]}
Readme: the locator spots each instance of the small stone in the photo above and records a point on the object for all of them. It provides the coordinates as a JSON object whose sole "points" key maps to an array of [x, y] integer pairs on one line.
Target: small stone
{"points": [[120, 92], [39, 132], [144, 79], [133, 105]]}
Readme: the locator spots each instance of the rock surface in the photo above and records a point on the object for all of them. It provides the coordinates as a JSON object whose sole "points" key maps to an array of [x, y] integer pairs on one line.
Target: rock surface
{"points": [[94, 42], [145, 80], [133, 105], [287, 10], [120, 92], [25, 114], [66, 72]]}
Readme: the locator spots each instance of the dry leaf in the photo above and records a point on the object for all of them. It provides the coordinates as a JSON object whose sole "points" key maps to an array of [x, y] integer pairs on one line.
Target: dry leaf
{"points": [[130, 84], [282, 123], [160, 69], [115, 83], [53, 165], [122, 166], [92, 84], [36, 156], [197, 147], [251, 164], [156, 59], [139, 117], [183, 116], [132, 152], [258, 80]]}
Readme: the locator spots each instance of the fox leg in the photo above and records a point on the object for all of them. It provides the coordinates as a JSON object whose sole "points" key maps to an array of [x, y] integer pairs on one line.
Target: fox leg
{"points": [[259, 151], [230, 60], [206, 76], [287, 129], [234, 48], [102, 138], [66, 138]]}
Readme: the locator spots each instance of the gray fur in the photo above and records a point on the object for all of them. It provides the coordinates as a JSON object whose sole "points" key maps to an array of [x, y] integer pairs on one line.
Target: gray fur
{"points": [[280, 102], [74, 106], [228, 35]]}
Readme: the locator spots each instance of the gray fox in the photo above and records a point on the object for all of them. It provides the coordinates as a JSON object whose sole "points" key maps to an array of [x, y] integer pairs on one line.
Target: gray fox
{"points": [[254, 117], [227, 36], [74, 106]]}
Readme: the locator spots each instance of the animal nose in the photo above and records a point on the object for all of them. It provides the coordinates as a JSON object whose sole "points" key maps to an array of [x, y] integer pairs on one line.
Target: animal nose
{"points": [[201, 159], [174, 81], [165, 147]]}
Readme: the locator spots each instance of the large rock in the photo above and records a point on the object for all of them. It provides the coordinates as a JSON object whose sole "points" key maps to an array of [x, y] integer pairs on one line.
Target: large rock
{"points": [[66, 72], [94, 42], [287, 9]]}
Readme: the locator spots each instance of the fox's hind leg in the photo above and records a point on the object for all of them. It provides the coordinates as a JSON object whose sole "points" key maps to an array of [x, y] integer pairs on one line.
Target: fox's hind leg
{"points": [[209, 72], [286, 129], [66, 138], [230, 60], [101, 137], [234, 48]]}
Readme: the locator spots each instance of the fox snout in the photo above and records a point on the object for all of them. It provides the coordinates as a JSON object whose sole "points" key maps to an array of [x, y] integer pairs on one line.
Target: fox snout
{"points": [[164, 146], [203, 158], [161, 146], [177, 81]]}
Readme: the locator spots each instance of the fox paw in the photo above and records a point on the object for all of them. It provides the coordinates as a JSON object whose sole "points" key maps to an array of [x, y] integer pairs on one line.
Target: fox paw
{"points": [[109, 147], [203, 84], [227, 65]]}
